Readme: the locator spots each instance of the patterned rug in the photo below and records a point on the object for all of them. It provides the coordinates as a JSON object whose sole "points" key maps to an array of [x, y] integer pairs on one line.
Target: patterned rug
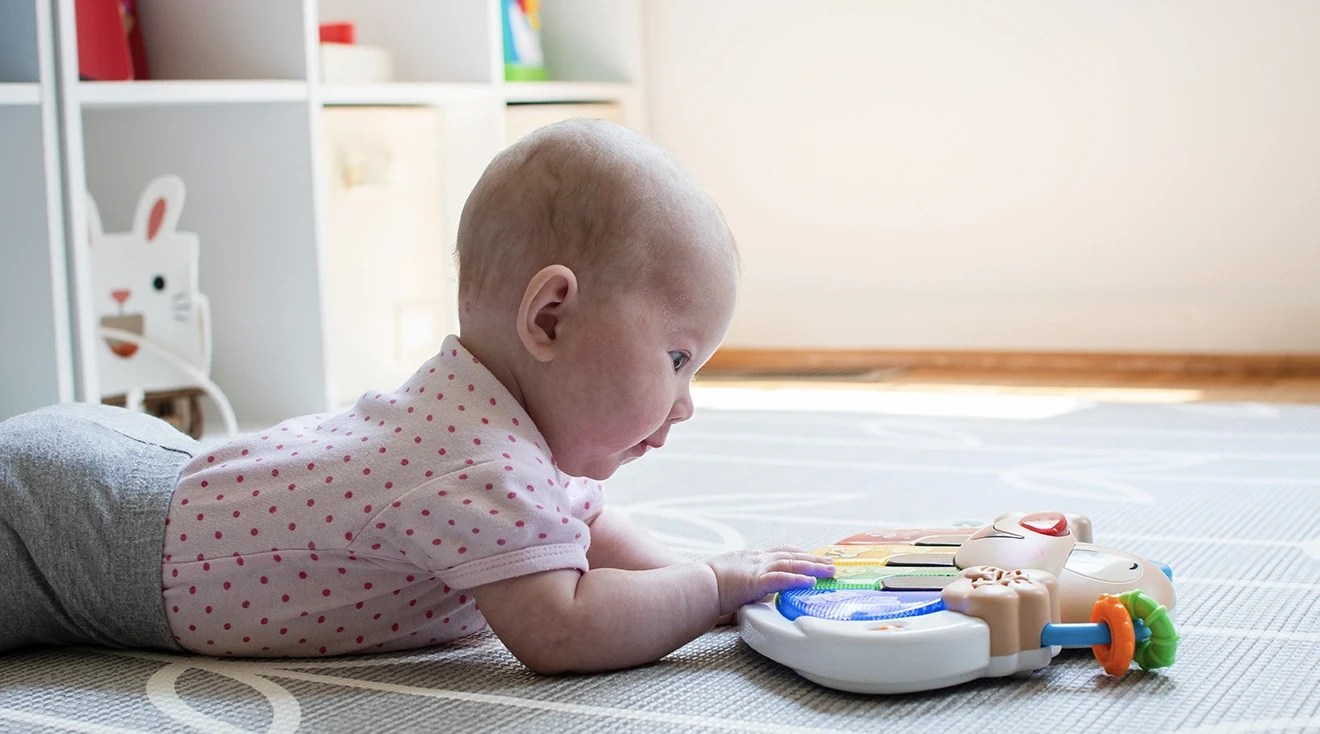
{"points": [[1227, 494]]}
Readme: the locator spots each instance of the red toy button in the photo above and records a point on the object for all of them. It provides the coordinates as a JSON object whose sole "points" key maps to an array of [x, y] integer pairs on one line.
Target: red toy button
{"points": [[1046, 523]]}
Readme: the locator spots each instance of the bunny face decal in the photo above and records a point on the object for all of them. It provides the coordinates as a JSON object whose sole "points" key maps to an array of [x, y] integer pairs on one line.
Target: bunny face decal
{"points": [[144, 282]]}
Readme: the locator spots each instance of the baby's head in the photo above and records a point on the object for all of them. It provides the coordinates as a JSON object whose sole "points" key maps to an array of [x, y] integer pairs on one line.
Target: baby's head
{"points": [[595, 278]]}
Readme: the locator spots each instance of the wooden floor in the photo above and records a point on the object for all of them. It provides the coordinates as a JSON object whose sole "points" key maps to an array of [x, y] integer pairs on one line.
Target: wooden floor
{"points": [[1137, 387]]}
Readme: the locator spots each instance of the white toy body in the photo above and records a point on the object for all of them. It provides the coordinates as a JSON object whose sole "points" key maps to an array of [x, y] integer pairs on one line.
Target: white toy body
{"points": [[144, 282], [913, 610]]}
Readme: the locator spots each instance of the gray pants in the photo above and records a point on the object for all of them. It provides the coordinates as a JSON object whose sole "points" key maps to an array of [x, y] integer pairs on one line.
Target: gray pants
{"points": [[84, 492]]}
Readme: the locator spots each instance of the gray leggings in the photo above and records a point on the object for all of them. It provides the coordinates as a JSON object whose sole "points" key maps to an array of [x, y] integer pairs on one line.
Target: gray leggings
{"points": [[84, 492]]}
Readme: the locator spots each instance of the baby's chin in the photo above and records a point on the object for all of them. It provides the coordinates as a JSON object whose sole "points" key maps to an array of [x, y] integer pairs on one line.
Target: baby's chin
{"points": [[600, 469]]}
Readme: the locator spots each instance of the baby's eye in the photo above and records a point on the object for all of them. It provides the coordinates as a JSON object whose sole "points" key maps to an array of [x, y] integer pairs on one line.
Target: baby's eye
{"points": [[679, 358], [158, 283]]}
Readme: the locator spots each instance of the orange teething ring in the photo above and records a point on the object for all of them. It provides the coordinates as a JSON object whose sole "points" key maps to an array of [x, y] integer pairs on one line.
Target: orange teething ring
{"points": [[1117, 655]]}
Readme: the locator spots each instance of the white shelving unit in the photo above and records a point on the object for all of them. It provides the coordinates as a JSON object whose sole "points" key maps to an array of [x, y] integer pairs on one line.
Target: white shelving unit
{"points": [[235, 108], [38, 367]]}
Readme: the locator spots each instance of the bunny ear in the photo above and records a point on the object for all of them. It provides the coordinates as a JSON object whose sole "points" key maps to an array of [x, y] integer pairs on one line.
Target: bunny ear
{"points": [[158, 209], [94, 229]]}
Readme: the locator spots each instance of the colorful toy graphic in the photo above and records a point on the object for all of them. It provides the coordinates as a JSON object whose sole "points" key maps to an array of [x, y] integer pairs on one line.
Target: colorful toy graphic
{"points": [[924, 608]]}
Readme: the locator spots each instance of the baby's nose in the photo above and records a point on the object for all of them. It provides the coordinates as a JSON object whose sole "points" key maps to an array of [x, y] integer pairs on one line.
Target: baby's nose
{"points": [[682, 409]]}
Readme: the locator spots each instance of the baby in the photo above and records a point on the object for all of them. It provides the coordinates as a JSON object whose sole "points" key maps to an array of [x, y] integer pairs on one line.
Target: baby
{"points": [[595, 279]]}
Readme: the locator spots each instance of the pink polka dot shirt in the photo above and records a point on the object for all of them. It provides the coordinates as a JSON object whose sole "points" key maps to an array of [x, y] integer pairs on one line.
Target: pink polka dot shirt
{"points": [[362, 531]]}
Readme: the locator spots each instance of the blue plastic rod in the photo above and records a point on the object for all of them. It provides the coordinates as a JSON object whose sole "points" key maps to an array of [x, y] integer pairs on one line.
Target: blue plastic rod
{"points": [[1085, 635]]}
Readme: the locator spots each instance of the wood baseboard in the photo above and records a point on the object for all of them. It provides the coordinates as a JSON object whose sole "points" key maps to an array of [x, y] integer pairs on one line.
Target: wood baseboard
{"points": [[788, 361]]}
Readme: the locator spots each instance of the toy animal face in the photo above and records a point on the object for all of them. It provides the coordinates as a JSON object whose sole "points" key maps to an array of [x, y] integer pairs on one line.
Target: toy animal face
{"points": [[1046, 541], [1092, 570], [145, 282]]}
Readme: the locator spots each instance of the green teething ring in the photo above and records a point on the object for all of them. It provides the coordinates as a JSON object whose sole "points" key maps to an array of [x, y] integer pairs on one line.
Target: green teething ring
{"points": [[1160, 649]]}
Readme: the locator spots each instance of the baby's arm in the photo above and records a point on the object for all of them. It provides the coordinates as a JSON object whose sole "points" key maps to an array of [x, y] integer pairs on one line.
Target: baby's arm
{"points": [[617, 542], [607, 618]]}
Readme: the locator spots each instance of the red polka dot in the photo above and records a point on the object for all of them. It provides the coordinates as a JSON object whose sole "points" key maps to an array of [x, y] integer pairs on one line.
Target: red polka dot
{"points": [[292, 526], [329, 518], [311, 502], [462, 550], [285, 598], [435, 542], [329, 480], [367, 508], [210, 459], [500, 541], [239, 478], [183, 537]]}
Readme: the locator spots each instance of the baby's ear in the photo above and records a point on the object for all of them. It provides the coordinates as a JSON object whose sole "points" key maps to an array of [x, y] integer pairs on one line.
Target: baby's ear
{"points": [[549, 296], [159, 207]]}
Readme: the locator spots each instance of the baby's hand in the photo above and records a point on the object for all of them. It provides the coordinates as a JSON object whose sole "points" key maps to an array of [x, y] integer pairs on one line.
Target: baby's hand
{"points": [[749, 575]]}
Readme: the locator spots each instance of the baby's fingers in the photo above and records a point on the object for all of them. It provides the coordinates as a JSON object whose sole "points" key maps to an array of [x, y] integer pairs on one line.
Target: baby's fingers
{"points": [[805, 565], [784, 580]]}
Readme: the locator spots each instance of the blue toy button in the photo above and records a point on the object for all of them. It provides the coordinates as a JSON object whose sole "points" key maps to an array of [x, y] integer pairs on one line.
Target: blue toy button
{"points": [[857, 604]]}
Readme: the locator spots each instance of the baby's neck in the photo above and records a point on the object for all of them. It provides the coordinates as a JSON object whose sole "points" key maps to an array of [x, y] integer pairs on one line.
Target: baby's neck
{"points": [[495, 359]]}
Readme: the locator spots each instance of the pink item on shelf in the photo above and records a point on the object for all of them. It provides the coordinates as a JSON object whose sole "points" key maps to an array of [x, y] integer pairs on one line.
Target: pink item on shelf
{"points": [[103, 46], [338, 33]]}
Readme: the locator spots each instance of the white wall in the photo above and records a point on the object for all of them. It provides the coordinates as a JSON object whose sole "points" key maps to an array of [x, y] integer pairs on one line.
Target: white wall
{"points": [[1032, 175]]}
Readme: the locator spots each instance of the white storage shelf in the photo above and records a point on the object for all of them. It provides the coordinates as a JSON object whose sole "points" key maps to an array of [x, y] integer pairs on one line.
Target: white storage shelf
{"points": [[140, 93], [234, 108], [19, 93], [37, 369]]}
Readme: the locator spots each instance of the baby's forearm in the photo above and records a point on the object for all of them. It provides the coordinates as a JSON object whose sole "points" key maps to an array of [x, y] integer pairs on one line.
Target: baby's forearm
{"points": [[627, 618], [605, 619]]}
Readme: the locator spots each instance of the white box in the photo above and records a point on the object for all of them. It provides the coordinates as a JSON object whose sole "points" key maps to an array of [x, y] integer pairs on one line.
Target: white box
{"points": [[524, 118], [347, 63], [387, 298]]}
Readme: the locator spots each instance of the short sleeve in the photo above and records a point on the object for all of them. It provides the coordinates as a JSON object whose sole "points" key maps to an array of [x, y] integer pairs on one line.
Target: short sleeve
{"points": [[587, 498], [485, 523]]}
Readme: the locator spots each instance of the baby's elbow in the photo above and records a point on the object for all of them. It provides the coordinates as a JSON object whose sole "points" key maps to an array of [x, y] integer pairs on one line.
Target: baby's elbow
{"points": [[551, 651], [543, 664]]}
